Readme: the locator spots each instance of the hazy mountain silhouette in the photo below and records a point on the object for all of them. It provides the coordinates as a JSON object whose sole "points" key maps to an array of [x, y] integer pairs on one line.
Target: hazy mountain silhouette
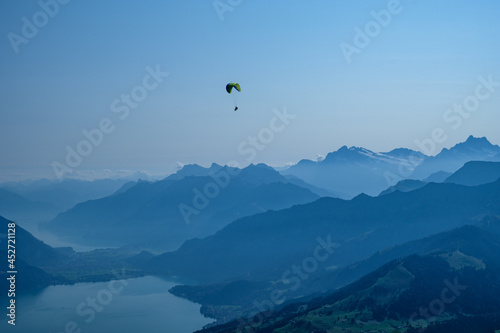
{"points": [[149, 213], [195, 170], [30, 249], [354, 170], [449, 241], [438, 177], [450, 160], [471, 174], [476, 173], [264, 246], [30, 255], [128, 185], [32, 278], [405, 185], [16, 207], [253, 173], [464, 260], [358, 170], [66, 193], [314, 189]]}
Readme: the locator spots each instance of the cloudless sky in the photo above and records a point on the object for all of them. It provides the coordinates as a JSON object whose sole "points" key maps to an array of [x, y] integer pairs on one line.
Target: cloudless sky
{"points": [[285, 55]]}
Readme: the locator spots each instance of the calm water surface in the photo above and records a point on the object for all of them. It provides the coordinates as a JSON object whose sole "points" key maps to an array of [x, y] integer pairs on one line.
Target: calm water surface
{"points": [[134, 305]]}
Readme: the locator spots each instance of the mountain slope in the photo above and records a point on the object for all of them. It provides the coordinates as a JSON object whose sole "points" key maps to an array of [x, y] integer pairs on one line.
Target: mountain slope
{"points": [[470, 174], [450, 160], [30, 255], [32, 278], [195, 170], [358, 170], [438, 177], [263, 246], [16, 207], [220, 300], [355, 170], [476, 173], [162, 215], [452, 288], [66, 193], [405, 185], [30, 249]]}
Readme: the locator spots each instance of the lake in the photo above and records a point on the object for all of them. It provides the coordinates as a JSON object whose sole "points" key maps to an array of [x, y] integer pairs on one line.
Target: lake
{"points": [[133, 305]]}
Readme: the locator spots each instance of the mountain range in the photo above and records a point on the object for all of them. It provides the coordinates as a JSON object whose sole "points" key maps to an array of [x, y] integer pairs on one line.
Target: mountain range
{"points": [[66, 193], [471, 174], [264, 245], [268, 249], [299, 250], [194, 202], [31, 202], [357, 170], [17, 207], [450, 160], [476, 173], [169, 205], [450, 285]]}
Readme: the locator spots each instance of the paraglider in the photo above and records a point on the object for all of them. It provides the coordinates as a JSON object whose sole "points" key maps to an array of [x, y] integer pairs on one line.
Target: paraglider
{"points": [[229, 88]]}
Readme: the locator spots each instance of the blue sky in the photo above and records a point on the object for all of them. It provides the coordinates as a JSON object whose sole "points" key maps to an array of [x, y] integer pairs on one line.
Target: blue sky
{"points": [[285, 54]]}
